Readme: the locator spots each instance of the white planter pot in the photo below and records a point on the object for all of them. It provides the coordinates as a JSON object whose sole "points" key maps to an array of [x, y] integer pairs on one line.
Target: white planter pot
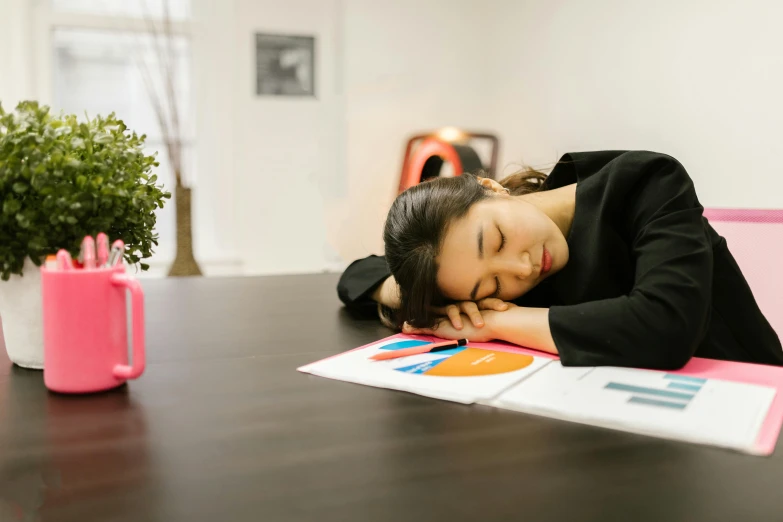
{"points": [[22, 317]]}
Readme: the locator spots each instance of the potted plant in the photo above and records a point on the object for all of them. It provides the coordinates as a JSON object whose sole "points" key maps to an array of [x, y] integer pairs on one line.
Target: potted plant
{"points": [[60, 180]]}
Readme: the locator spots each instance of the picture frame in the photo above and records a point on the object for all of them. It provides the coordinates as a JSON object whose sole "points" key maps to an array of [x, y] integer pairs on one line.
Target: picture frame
{"points": [[285, 65]]}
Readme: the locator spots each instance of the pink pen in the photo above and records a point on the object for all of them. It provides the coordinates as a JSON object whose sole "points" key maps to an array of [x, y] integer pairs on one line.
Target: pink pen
{"points": [[88, 251], [102, 241], [64, 261], [117, 249], [417, 350]]}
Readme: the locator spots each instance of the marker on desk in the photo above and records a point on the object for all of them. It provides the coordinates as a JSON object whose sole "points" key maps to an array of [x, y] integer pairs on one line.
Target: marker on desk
{"points": [[64, 261], [117, 249], [88, 252], [102, 241], [416, 350]]}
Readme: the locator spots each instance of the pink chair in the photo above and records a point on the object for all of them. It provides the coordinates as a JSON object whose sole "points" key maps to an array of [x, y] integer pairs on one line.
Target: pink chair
{"points": [[755, 239]]}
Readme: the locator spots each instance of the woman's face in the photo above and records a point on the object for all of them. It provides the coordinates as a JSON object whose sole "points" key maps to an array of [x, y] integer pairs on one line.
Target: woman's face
{"points": [[503, 247]]}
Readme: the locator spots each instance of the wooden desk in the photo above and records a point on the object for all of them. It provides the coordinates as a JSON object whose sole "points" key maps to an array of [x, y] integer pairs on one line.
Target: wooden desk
{"points": [[222, 428]]}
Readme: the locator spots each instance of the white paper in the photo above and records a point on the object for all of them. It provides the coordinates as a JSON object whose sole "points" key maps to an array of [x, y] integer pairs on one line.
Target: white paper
{"points": [[494, 371], [708, 411]]}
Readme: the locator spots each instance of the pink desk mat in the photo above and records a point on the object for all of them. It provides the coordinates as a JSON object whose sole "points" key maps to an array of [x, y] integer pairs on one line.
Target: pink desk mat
{"points": [[755, 239], [759, 374]]}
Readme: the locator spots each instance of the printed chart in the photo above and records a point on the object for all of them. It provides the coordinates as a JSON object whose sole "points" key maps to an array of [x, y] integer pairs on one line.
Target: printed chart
{"points": [[676, 395], [710, 411], [457, 362], [466, 374]]}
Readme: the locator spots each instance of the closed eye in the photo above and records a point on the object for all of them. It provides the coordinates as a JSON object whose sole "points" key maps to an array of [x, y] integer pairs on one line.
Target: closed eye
{"points": [[496, 293], [502, 238]]}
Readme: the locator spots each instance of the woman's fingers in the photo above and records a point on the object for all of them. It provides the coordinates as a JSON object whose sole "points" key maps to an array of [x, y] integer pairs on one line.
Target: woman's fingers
{"points": [[471, 309], [492, 303], [453, 313]]}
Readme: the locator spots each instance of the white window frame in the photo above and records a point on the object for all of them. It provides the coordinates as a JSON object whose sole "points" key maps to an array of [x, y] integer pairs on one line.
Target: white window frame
{"points": [[43, 19]]}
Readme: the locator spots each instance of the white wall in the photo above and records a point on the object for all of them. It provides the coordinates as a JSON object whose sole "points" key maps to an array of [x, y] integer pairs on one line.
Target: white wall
{"points": [[299, 185], [702, 81], [409, 66], [215, 214], [285, 149], [314, 177], [16, 77]]}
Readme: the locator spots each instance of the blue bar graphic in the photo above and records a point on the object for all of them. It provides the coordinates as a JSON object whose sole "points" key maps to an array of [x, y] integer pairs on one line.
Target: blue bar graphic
{"points": [[399, 345], [649, 391], [654, 402], [682, 386], [683, 378]]}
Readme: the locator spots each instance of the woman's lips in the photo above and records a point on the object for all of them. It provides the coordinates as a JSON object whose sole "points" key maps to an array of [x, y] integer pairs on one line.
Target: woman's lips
{"points": [[546, 261]]}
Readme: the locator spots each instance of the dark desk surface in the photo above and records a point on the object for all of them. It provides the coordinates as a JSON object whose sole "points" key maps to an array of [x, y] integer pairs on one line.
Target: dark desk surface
{"points": [[222, 428]]}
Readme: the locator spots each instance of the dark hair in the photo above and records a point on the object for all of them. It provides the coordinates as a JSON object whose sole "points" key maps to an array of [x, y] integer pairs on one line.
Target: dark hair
{"points": [[415, 228]]}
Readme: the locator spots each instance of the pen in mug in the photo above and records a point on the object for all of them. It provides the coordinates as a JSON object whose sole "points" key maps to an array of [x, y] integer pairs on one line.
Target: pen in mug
{"points": [[102, 245], [117, 249], [64, 261], [88, 251]]}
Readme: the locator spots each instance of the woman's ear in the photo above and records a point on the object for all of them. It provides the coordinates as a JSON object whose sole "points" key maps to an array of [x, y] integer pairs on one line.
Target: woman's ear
{"points": [[492, 185]]}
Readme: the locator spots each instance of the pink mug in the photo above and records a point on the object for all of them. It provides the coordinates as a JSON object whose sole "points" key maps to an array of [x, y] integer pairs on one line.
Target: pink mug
{"points": [[85, 332]]}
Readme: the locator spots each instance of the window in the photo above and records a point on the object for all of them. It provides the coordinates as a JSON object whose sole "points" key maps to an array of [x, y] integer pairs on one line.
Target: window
{"points": [[105, 57], [178, 9]]}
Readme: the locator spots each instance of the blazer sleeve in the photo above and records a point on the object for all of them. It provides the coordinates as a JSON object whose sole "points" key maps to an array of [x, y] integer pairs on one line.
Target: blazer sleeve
{"points": [[360, 280], [664, 318]]}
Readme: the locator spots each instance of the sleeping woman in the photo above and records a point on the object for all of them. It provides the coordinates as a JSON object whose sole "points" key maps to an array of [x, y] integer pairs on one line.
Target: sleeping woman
{"points": [[605, 261]]}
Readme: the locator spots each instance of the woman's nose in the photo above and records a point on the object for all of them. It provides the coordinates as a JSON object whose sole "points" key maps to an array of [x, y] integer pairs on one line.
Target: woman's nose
{"points": [[520, 267], [525, 267]]}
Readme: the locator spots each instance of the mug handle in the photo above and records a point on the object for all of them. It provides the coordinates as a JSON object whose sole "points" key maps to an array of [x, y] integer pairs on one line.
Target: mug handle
{"points": [[123, 371]]}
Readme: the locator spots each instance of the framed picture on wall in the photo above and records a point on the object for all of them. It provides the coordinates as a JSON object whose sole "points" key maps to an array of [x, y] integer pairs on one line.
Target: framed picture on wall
{"points": [[285, 65]]}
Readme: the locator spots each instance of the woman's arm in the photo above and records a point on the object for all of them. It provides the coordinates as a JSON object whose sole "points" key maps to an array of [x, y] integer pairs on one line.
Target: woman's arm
{"points": [[387, 294], [363, 280], [527, 327], [663, 319]]}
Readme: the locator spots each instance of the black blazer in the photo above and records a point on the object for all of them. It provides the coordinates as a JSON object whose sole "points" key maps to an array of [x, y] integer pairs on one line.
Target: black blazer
{"points": [[649, 283]]}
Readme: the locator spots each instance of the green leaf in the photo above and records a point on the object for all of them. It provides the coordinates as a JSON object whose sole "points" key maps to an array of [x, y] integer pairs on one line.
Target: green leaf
{"points": [[62, 177], [102, 138], [11, 206], [37, 243], [22, 220]]}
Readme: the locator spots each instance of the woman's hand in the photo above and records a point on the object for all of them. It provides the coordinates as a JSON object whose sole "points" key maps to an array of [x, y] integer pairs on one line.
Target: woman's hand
{"points": [[472, 310], [445, 330]]}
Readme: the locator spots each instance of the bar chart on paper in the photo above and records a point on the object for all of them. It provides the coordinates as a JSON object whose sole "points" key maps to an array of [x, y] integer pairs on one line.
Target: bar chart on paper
{"points": [[677, 394], [709, 411]]}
